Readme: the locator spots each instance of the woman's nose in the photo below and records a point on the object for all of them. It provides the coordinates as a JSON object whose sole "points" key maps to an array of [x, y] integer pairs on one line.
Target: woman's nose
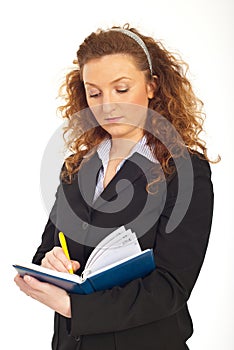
{"points": [[108, 107], [108, 104]]}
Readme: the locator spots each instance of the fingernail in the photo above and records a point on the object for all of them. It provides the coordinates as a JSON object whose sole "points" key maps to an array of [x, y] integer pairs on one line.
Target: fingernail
{"points": [[27, 278], [69, 266]]}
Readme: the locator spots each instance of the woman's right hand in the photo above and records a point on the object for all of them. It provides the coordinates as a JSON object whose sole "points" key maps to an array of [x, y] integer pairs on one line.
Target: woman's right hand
{"points": [[55, 259]]}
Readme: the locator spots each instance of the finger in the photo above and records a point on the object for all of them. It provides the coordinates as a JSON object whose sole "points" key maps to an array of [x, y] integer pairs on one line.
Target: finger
{"points": [[56, 260], [75, 265], [17, 279], [46, 263], [33, 283], [23, 286], [51, 262], [35, 287], [60, 255], [31, 286]]}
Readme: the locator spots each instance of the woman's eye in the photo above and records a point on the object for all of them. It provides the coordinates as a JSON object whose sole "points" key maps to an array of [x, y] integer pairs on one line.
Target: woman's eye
{"points": [[121, 91], [94, 95]]}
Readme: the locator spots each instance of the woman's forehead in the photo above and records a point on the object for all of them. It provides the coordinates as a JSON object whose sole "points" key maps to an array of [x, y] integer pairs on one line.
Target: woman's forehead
{"points": [[110, 67]]}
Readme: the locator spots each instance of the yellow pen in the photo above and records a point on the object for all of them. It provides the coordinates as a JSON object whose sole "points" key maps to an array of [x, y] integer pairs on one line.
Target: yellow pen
{"points": [[63, 243]]}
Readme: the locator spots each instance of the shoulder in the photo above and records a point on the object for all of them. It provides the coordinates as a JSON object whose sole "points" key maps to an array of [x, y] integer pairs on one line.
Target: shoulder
{"points": [[190, 182], [200, 164], [192, 168], [195, 159], [78, 162]]}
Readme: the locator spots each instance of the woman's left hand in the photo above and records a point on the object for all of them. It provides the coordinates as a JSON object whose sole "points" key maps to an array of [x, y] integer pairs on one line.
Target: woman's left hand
{"points": [[48, 294]]}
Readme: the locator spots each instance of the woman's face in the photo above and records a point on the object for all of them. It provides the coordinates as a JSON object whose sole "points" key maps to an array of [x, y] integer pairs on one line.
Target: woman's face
{"points": [[117, 93]]}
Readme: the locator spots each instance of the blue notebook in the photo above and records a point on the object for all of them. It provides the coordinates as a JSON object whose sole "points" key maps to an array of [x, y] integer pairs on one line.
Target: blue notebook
{"points": [[117, 260]]}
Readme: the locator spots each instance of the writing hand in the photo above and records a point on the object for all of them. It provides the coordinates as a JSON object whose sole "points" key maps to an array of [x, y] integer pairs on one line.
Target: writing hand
{"points": [[54, 297], [55, 259]]}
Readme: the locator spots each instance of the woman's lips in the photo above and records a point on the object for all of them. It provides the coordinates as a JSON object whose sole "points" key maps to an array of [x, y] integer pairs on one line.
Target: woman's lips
{"points": [[113, 119]]}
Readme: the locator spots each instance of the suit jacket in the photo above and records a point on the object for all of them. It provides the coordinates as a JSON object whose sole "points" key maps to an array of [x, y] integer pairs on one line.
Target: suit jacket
{"points": [[147, 313]]}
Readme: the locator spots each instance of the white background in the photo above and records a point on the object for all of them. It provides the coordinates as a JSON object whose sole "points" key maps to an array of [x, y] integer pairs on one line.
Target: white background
{"points": [[39, 39]]}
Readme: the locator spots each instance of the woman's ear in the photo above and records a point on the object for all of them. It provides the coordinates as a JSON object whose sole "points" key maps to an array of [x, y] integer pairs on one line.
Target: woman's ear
{"points": [[151, 87]]}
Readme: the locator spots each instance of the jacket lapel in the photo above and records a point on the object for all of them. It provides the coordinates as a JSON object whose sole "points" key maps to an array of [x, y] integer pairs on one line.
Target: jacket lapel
{"points": [[85, 183], [87, 178], [133, 168]]}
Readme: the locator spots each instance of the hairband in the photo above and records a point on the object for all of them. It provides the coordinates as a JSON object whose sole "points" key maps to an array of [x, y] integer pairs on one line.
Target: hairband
{"points": [[140, 42]]}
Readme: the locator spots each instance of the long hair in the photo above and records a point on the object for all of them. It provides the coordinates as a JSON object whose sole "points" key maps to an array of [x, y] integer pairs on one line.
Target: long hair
{"points": [[173, 99]]}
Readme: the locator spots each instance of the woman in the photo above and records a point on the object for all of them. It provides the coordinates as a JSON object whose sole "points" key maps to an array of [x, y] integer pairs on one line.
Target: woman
{"points": [[132, 115]]}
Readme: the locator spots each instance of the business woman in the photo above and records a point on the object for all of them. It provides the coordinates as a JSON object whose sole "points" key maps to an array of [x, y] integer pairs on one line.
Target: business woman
{"points": [[136, 160]]}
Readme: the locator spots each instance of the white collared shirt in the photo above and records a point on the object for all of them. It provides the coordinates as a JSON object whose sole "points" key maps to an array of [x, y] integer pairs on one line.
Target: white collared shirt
{"points": [[103, 152]]}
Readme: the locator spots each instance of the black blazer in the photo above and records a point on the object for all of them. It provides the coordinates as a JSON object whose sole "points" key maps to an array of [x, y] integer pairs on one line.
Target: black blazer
{"points": [[148, 313]]}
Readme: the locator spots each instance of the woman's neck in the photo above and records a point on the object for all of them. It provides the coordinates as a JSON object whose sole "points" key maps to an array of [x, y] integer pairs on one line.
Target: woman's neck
{"points": [[121, 147]]}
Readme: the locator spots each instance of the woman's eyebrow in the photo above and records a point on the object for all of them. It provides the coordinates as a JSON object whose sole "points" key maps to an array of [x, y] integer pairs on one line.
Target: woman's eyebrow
{"points": [[113, 81]]}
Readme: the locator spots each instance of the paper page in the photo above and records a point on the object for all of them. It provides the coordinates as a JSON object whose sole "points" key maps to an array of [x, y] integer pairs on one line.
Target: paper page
{"points": [[126, 238], [106, 242], [124, 245], [122, 237], [113, 255]]}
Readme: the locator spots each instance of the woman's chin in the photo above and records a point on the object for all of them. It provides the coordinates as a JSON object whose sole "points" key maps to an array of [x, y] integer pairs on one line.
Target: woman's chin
{"points": [[116, 129]]}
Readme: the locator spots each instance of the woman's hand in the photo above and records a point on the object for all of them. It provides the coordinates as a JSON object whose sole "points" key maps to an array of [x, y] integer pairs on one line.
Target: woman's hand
{"points": [[55, 259], [48, 294]]}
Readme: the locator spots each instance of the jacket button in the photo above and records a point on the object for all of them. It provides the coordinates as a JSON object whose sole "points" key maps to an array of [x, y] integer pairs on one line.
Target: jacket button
{"points": [[85, 225], [77, 338]]}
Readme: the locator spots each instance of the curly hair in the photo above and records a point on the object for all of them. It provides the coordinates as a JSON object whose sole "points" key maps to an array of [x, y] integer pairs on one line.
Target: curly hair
{"points": [[173, 99]]}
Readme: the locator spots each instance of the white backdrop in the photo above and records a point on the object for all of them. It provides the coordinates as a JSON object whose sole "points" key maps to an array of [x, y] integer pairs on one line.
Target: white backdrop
{"points": [[38, 40]]}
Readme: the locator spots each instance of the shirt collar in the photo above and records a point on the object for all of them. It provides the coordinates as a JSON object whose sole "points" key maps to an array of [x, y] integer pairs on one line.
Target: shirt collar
{"points": [[140, 147]]}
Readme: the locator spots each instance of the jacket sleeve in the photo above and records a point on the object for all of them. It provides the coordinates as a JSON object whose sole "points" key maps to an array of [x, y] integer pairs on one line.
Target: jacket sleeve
{"points": [[179, 257]]}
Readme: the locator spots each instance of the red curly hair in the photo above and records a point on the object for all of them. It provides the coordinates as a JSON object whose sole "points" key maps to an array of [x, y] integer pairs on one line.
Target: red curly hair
{"points": [[173, 99]]}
